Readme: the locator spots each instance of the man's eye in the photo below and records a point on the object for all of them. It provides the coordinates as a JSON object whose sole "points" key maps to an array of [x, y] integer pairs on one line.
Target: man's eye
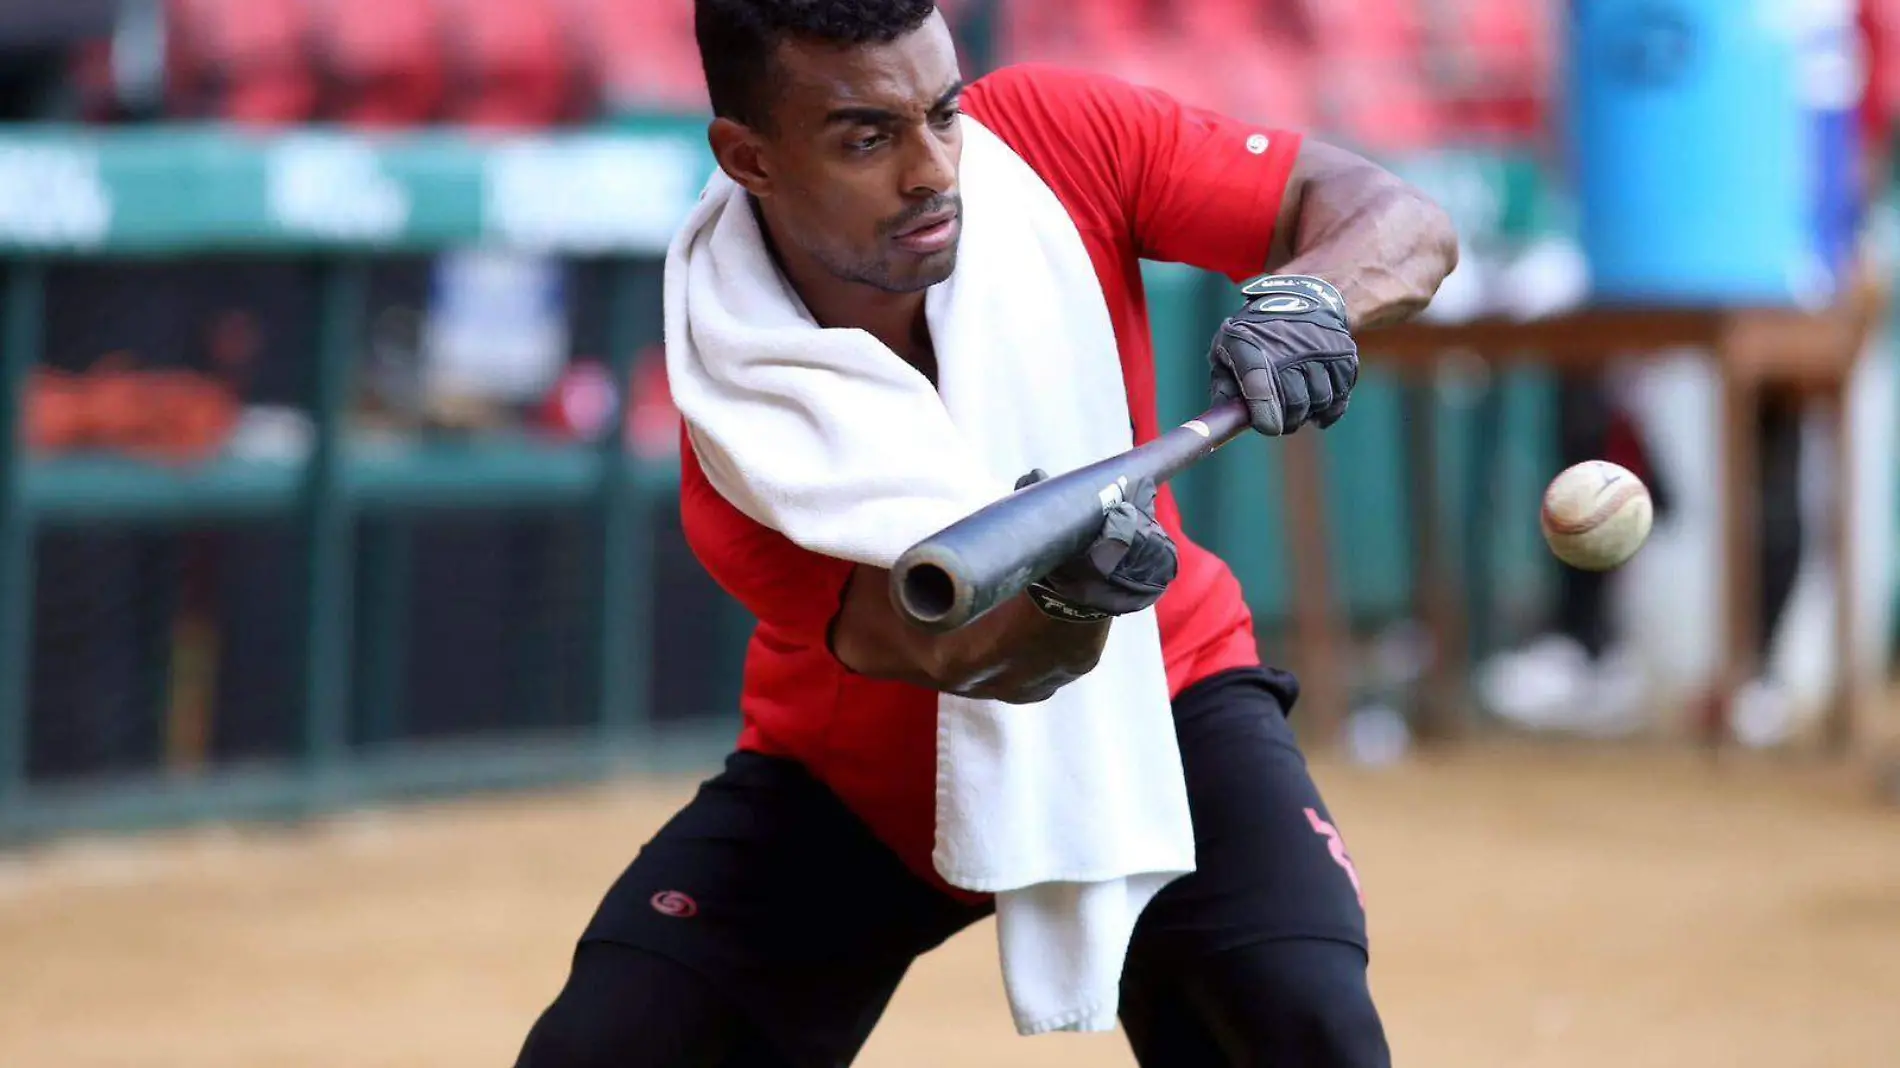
{"points": [[866, 143], [947, 116]]}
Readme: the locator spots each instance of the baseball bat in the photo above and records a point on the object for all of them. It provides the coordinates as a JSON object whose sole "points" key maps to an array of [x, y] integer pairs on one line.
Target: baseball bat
{"points": [[953, 577]]}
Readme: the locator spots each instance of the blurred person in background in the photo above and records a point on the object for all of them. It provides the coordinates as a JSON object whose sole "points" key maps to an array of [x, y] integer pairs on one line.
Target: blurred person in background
{"points": [[37, 43], [81, 60], [1581, 675]]}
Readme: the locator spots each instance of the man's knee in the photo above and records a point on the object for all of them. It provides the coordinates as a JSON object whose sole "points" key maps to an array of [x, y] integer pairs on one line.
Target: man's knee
{"points": [[1299, 1001], [1333, 1022], [575, 1031], [626, 1008], [564, 1037]]}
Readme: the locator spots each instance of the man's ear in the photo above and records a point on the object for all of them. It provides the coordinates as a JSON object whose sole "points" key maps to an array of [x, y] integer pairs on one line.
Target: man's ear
{"points": [[739, 151]]}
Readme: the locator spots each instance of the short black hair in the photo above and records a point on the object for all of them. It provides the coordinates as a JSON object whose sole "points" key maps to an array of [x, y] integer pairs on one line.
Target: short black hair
{"points": [[739, 38]]}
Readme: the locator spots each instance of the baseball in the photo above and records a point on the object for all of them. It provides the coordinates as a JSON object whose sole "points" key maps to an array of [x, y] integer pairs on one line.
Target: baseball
{"points": [[1596, 515]]}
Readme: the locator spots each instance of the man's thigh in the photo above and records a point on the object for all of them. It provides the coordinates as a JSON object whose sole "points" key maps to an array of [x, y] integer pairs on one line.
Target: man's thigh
{"points": [[780, 897], [1270, 860], [1273, 882]]}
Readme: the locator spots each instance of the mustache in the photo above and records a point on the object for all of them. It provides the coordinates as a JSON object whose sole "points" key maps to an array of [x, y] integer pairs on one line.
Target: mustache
{"points": [[951, 202]]}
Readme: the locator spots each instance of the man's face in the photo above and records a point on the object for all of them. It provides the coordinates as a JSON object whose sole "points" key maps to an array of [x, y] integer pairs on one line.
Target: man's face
{"points": [[863, 156]]}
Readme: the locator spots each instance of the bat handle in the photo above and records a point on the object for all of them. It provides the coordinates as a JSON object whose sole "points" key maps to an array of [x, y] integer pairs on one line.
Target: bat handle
{"points": [[963, 571]]}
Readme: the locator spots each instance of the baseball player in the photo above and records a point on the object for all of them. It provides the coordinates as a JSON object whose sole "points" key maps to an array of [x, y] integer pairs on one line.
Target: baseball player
{"points": [[769, 922]]}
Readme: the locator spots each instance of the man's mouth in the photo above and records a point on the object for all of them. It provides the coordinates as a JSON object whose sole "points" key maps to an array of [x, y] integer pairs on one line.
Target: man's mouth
{"points": [[931, 233]]}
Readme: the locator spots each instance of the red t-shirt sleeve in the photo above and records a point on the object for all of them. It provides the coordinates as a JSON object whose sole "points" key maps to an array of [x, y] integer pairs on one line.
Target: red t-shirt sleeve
{"points": [[792, 591], [1182, 183]]}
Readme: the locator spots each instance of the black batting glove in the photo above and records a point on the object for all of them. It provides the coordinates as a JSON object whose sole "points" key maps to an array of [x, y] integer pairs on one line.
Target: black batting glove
{"points": [[1288, 354], [1125, 569]]}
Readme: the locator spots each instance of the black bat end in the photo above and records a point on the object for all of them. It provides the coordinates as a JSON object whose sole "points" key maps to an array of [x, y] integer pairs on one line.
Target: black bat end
{"points": [[927, 591]]}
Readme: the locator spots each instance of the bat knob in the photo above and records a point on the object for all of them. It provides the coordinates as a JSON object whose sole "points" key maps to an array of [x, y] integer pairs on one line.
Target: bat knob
{"points": [[926, 590]]}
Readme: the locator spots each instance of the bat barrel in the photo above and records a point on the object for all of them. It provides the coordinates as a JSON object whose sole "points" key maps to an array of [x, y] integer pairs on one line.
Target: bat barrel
{"points": [[955, 576]]}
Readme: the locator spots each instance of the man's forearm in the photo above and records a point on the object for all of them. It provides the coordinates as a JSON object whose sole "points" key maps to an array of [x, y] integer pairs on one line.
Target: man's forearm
{"points": [[1015, 653], [1022, 656], [1381, 242]]}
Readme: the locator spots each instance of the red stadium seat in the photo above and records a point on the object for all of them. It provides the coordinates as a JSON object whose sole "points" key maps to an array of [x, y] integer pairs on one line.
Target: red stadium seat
{"points": [[1519, 29], [1168, 63], [1253, 67], [1372, 28], [1032, 30], [639, 54], [1220, 54], [1218, 19], [244, 61], [1879, 22], [1496, 63], [1512, 40], [1374, 92], [384, 59], [1381, 107], [512, 60], [1273, 83]]}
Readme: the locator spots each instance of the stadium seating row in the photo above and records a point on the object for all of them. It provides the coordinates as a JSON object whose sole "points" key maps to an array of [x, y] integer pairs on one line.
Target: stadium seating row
{"points": [[380, 63], [1384, 73], [1389, 72]]}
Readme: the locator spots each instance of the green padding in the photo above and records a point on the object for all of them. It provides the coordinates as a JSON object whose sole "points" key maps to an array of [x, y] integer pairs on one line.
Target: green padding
{"points": [[621, 188], [171, 190], [95, 488], [474, 474], [446, 475]]}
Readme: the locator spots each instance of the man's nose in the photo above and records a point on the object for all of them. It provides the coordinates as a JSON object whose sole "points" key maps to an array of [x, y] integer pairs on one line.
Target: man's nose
{"points": [[931, 166]]}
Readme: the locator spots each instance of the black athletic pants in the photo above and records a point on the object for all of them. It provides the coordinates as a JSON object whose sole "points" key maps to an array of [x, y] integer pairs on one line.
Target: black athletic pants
{"points": [[764, 927]]}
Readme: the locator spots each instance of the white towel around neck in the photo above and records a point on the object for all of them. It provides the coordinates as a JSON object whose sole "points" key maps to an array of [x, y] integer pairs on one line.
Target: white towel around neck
{"points": [[1073, 811]]}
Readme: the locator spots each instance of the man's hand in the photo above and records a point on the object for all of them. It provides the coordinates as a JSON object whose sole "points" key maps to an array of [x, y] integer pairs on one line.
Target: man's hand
{"points": [[1028, 647], [1289, 354], [1124, 570]]}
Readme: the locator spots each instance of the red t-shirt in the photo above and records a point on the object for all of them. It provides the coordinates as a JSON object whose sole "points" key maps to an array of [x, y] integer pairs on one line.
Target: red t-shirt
{"points": [[1143, 177]]}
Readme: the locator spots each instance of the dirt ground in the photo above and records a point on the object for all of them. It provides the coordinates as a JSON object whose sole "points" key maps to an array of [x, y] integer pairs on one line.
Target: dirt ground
{"points": [[1531, 907]]}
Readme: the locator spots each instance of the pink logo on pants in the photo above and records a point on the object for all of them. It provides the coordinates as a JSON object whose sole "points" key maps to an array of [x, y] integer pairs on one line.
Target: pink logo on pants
{"points": [[674, 903], [1337, 847]]}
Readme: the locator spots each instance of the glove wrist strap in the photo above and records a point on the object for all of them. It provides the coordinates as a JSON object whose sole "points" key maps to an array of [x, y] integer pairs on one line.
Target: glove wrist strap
{"points": [[1055, 607], [1312, 285]]}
